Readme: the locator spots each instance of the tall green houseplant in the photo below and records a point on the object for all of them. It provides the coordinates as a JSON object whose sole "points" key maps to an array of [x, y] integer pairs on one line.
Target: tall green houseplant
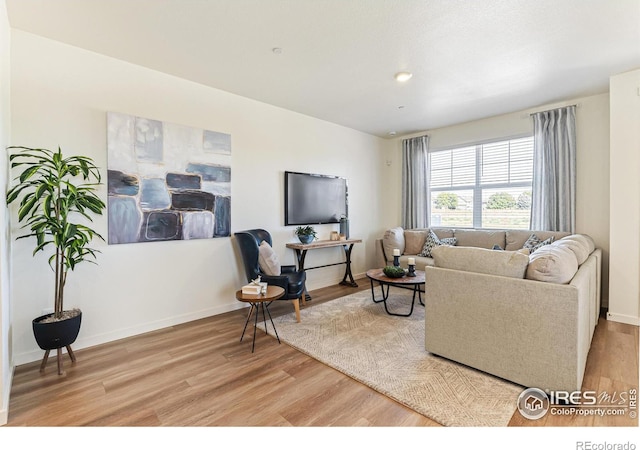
{"points": [[54, 190]]}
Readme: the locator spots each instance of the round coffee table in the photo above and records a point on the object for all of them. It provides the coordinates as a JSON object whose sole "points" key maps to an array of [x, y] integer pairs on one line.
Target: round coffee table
{"points": [[406, 282], [260, 301]]}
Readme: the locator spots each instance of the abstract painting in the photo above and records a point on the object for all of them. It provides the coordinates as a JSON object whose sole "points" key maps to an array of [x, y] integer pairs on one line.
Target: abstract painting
{"points": [[166, 181]]}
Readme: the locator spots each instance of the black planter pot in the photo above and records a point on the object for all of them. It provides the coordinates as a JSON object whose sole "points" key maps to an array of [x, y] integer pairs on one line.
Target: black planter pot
{"points": [[53, 335]]}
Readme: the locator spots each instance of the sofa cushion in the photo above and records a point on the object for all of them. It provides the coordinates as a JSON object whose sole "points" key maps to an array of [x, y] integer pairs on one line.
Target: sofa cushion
{"points": [[421, 261], [481, 260], [414, 241], [580, 244], [268, 259], [442, 232], [392, 239], [515, 239], [479, 238], [432, 241], [553, 264], [534, 242]]}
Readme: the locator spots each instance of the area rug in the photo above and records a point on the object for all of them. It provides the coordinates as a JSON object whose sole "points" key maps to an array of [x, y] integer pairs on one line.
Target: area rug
{"points": [[357, 337]]}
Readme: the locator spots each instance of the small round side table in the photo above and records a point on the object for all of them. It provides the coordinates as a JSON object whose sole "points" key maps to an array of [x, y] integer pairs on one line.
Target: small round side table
{"points": [[260, 301]]}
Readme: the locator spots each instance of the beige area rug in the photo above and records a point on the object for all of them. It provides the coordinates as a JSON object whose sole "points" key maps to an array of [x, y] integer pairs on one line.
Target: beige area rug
{"points": [[357, 337]]}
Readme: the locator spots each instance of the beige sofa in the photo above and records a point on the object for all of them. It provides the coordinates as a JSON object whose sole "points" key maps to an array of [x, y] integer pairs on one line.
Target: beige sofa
{"points": [[525, 318]]}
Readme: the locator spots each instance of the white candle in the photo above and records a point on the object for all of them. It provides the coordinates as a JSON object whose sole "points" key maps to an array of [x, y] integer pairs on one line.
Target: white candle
{"points": [[412, 261], [396, 252]]}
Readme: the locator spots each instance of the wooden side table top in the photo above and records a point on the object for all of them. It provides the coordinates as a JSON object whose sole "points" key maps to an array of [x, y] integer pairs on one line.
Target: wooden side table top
{"points": [[273, 293], [321, 244], [378, 275]]}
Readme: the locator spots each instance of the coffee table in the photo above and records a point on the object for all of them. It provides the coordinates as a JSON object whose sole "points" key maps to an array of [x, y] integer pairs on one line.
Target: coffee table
{"points": [[412, 283], [257, 302]]}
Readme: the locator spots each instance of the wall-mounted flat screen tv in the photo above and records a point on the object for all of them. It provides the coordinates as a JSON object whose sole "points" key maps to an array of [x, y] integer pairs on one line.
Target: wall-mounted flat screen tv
{"points": [[314, 199]]}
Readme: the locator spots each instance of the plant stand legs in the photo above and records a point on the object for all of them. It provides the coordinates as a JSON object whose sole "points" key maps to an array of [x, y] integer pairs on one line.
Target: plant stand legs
{"points": [[44, 360], [59, 358], [59, 351], [71, 355]]}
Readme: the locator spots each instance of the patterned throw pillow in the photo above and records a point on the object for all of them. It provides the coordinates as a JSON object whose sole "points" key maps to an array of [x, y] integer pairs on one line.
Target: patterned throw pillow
{"points": [[534, 243], [433, 241]]}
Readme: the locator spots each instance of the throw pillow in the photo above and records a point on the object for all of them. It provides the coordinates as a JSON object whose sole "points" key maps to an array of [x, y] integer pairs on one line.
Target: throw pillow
{"points": [[432, 241], [534, 243], [268, 260]]}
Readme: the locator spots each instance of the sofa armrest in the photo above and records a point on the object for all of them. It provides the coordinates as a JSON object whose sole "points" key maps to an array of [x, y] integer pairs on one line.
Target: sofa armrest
{"points": [[526, 331], [381, 259]]}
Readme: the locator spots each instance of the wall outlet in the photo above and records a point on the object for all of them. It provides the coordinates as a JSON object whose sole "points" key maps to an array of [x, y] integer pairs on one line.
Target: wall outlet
{"points": [[47, 311]]}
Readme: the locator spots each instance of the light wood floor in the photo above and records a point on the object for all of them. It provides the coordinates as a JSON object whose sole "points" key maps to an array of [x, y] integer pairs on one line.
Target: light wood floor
{"points": [[200, 374]]}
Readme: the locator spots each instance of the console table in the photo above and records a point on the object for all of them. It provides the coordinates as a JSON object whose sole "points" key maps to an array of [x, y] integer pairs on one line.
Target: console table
{"points": [[347, 245]]}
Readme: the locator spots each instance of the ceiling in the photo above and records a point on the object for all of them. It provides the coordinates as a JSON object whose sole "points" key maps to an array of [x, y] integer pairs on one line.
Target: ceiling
{"points": [[469, 59]]}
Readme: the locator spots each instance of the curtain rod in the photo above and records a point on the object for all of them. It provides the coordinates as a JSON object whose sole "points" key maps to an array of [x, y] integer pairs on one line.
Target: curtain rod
{"points": [[547, 110]]}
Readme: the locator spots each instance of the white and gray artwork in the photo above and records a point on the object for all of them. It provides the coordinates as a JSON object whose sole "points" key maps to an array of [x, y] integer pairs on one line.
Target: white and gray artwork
{"points": [[166, 181]]}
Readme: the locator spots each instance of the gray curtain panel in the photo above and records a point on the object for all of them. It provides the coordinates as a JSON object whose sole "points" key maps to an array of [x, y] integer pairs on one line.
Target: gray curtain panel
{"points": [[553, 202], [416, 203]]}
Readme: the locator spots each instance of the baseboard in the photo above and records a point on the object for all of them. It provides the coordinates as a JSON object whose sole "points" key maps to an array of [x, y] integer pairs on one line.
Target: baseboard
{"points": [[91, 341], [622, 318], [4, 408], [36, 354]]}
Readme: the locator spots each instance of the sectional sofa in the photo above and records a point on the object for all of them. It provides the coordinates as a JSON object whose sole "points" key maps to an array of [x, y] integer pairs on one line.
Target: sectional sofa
{"points": [[494, 305]]}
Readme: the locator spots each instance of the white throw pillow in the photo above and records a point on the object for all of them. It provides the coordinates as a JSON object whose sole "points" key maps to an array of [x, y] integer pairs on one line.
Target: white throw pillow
{"points": [[268, 260]]}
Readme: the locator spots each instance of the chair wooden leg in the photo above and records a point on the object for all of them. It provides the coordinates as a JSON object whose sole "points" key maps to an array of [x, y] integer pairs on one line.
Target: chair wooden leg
{"points": [[296, 305], [303, 299]]}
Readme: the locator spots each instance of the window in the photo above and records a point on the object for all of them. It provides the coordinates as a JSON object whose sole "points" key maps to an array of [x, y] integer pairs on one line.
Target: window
{"points": [[482, 186]]}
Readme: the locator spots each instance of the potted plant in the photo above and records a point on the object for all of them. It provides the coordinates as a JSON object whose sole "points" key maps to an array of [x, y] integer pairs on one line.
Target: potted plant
{"points": [[306, 234], [53, 192]]}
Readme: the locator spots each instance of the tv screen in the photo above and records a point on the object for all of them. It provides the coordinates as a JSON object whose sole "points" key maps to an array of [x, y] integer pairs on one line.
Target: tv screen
{"points": [[314, 199]]}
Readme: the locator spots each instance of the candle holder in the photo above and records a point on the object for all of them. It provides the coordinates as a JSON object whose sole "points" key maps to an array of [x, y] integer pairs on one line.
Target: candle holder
{"points": [[412, 270], [396, 261]]}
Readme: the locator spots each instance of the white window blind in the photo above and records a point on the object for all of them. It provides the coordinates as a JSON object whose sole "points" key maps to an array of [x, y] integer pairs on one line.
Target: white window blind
{"points": [[486, 185]]}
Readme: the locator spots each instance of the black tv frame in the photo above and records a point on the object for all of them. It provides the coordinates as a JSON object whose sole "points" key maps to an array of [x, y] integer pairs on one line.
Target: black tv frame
{"points": [[287, 173]]}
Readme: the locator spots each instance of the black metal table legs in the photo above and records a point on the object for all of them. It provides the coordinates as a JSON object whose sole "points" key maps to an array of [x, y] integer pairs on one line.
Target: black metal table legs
{"points": [[347, 270], [265, 309], [385, 296]]}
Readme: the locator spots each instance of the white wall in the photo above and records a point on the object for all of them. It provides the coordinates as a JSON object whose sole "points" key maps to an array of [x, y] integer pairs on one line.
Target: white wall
{"points": [[592, 160], [60, 96], [624, 291], [6, 367]]}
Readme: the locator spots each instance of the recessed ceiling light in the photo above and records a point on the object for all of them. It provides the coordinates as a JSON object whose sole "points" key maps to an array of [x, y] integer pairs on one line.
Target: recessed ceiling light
{"points": [[276, 50], [403, 76]]}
